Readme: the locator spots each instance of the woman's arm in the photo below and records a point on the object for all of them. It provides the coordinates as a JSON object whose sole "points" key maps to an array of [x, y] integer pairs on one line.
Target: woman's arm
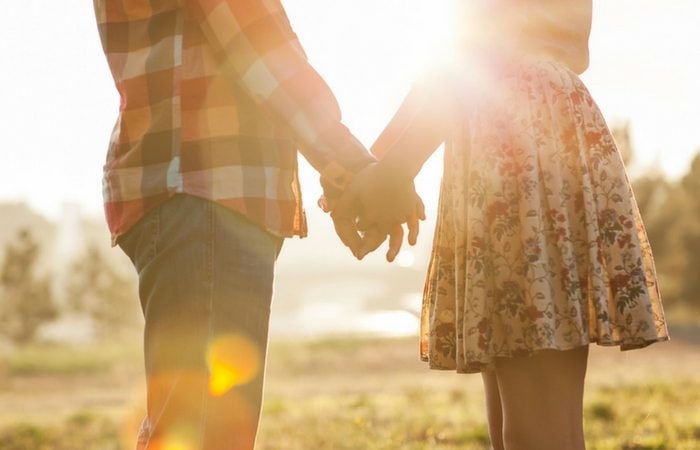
{"points": [[417, 129], [383, 193]]}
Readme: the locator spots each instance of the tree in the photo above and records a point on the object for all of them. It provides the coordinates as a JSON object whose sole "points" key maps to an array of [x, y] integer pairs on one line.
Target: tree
{"points": [[690, 231], [94, 288], [623, 140], [671, 213], [27, 300]]}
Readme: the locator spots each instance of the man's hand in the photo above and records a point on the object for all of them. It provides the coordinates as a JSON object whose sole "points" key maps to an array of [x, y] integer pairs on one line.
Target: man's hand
{"points": [[363, 243], [373, 237], [375, 205]]}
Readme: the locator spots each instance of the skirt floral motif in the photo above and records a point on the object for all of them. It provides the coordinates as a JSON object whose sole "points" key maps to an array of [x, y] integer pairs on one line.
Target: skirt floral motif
{"points": [[539, 242]]}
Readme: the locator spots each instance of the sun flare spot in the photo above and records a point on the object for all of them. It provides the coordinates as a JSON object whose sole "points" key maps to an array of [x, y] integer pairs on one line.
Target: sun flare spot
{"points": [[406, 259], [233, 360], [177, 445], [175, 440], [438, 28]]}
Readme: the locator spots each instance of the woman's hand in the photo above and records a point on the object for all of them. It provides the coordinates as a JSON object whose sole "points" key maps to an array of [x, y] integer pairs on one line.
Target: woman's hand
{"points": [[375, 205]]}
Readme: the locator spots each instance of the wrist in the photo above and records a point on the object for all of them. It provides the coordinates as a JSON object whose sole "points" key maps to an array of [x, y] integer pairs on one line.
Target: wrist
{"points": [[396, 168], [335, 180]]}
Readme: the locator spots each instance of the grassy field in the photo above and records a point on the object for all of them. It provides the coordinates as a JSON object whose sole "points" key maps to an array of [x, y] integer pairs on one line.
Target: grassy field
{"points": [[352, 393]]}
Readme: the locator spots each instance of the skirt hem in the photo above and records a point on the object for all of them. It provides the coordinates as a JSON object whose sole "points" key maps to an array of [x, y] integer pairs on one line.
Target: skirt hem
{"points": [[481, 366]]}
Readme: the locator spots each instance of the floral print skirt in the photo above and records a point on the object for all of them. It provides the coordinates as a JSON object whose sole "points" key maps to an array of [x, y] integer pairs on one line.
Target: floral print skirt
{"points": [[539, 243]]}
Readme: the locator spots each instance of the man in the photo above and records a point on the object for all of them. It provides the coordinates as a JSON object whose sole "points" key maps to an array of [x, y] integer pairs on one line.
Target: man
{"points": [[201, 187]]}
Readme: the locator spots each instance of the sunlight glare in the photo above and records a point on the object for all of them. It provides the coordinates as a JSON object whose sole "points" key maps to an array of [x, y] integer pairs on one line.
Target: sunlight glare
{"points": [[406, 259], [177, 445], [179, 439], [233, 360], [390, 323], [438, 35]]}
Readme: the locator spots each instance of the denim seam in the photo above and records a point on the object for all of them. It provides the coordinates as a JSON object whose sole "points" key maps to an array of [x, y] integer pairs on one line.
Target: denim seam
{"points": [[208, 264], [156, 234]]}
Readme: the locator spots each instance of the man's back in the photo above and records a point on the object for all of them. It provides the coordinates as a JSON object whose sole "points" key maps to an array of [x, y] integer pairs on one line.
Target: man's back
{"points": [[185, 127]]}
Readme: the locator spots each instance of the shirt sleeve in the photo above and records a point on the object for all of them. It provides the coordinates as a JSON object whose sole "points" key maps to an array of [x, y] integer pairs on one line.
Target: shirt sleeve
{"points": [[254, 40]]}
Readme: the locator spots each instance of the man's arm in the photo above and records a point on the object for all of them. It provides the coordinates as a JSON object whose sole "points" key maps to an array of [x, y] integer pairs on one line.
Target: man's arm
{"points": [[253, 41]]}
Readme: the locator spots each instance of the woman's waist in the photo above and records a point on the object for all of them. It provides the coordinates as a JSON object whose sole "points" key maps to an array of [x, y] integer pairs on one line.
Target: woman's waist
{"points": [[507, 60], [526, 49]]}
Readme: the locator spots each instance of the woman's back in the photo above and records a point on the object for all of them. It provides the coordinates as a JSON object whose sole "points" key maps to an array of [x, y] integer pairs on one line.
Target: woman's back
{"points": [[555, 28]]}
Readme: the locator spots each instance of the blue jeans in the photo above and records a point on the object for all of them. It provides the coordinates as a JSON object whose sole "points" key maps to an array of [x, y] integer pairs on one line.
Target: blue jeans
{"points": [[205, 285]]}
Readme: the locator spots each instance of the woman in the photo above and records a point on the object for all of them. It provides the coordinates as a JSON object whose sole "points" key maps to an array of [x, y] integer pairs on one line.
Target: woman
{"points": [[539, 248]]}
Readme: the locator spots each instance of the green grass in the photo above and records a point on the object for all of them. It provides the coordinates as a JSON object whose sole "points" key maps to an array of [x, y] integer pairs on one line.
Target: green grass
{"points": [[62, 360], [80, 431], [347, 394], [653, 416], [402, 420]]}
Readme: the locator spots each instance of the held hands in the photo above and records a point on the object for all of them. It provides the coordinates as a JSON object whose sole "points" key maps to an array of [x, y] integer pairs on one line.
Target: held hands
{"points": [[375, 205]]}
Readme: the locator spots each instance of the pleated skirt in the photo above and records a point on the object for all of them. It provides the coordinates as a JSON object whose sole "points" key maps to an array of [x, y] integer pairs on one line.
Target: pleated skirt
{"points": [[539, 243]]}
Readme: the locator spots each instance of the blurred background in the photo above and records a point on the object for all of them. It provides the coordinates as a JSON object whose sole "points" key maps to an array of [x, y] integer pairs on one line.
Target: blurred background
{"points": [[70, 374]]}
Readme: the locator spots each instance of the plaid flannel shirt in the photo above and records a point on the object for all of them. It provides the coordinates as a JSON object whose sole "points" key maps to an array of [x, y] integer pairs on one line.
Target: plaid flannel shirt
{"points": [[216, 97]]}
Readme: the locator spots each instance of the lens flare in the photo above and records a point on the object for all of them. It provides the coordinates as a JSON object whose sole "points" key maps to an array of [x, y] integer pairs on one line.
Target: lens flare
{"points": [[174, 444], [406, 259], [175, 440], [233, 360]]}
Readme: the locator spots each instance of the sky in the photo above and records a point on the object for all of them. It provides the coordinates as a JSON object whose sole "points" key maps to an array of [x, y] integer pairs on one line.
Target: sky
{"points": [[58, 103]]}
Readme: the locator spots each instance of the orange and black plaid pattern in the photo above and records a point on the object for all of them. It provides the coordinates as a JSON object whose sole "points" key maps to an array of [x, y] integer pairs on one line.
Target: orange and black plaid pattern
{"points": [[216, 97]]}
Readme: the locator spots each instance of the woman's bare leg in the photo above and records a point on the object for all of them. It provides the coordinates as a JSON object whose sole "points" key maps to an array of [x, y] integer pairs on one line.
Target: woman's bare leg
{"points": [[494, 412], [541, 400]]}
